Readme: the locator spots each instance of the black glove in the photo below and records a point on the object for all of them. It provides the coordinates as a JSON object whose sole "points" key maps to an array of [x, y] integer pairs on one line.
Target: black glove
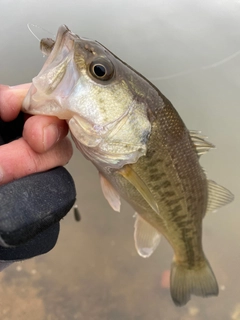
{"points": [[31, 207]]}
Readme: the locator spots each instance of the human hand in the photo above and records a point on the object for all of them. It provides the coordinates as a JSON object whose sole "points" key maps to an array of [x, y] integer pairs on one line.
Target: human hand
{"points": [[43, 144], [31, 204]]}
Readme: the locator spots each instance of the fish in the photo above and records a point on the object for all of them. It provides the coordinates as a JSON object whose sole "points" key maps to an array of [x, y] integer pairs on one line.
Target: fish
{"points": [[141, 148]]}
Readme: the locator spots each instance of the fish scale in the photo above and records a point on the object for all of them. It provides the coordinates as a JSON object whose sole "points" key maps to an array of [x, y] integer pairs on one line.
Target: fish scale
{"points": [[170, 207], [142, 149]]}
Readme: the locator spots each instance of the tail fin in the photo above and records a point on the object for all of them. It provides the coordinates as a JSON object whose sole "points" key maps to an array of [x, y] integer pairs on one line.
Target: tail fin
{"points": [[198, 281]]}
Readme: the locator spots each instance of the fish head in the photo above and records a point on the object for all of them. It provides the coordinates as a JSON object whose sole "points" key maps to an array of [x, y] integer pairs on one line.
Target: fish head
{"points": [[101, 98]]}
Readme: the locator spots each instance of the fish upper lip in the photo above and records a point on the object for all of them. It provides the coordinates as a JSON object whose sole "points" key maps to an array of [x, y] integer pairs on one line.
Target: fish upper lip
{"points": [[64, 37]]}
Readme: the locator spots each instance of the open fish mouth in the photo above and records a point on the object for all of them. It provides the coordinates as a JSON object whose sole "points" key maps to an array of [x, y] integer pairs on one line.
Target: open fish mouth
{"points": [[64, 38], [49, 87], [60, 54]]}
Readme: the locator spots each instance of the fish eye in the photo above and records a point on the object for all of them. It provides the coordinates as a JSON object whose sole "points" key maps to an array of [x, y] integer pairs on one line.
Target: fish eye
{"points": [[102, 69], [99, 70]]}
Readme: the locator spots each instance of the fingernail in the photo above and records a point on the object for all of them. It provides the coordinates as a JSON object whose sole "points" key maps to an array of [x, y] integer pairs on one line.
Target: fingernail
{"points": [[51, 135], [23, 86]]}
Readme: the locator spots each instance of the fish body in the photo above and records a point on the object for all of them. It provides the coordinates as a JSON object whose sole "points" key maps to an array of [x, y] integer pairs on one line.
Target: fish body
{"points": [[142, 149]]}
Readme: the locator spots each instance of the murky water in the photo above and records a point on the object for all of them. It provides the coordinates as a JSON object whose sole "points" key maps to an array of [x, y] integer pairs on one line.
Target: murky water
{"points": [[94, 272]]}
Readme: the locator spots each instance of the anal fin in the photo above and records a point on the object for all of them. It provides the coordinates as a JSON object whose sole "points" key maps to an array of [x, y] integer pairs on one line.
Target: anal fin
{"points": [[110, 193], [218, 196], [128, 173], [146, 237]]}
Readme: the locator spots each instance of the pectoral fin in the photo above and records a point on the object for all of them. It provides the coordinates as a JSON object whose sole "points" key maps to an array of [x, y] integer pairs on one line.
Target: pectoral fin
{"points": [[110, 193], [146, 237], [218, 196], [128, 173]]}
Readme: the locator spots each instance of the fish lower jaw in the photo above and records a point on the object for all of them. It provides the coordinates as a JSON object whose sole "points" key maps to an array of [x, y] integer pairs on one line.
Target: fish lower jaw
{"points": [[46, 107]]}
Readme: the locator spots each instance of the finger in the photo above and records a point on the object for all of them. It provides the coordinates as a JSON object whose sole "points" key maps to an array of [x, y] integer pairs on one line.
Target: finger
{"points": [[11, 99], [43, 132], [17, 159]]}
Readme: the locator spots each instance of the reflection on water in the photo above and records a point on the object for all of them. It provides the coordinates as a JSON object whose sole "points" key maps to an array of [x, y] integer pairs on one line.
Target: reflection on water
{"points": [[94, 272]]}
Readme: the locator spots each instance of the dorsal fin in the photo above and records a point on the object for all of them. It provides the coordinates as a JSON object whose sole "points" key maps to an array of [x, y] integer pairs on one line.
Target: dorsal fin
{"points": [[218, 196], [146, 237], [128, 173], [202, 146]]}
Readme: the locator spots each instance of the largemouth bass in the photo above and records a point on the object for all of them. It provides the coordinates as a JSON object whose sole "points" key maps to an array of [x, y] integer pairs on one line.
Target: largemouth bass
{"points": [[143, 151]]}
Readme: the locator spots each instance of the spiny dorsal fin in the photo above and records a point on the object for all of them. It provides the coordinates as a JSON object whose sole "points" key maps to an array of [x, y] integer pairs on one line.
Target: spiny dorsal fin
{"points": [[110, 193], [146, 237], [128, 173], [218, 196], [202, 146]]}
